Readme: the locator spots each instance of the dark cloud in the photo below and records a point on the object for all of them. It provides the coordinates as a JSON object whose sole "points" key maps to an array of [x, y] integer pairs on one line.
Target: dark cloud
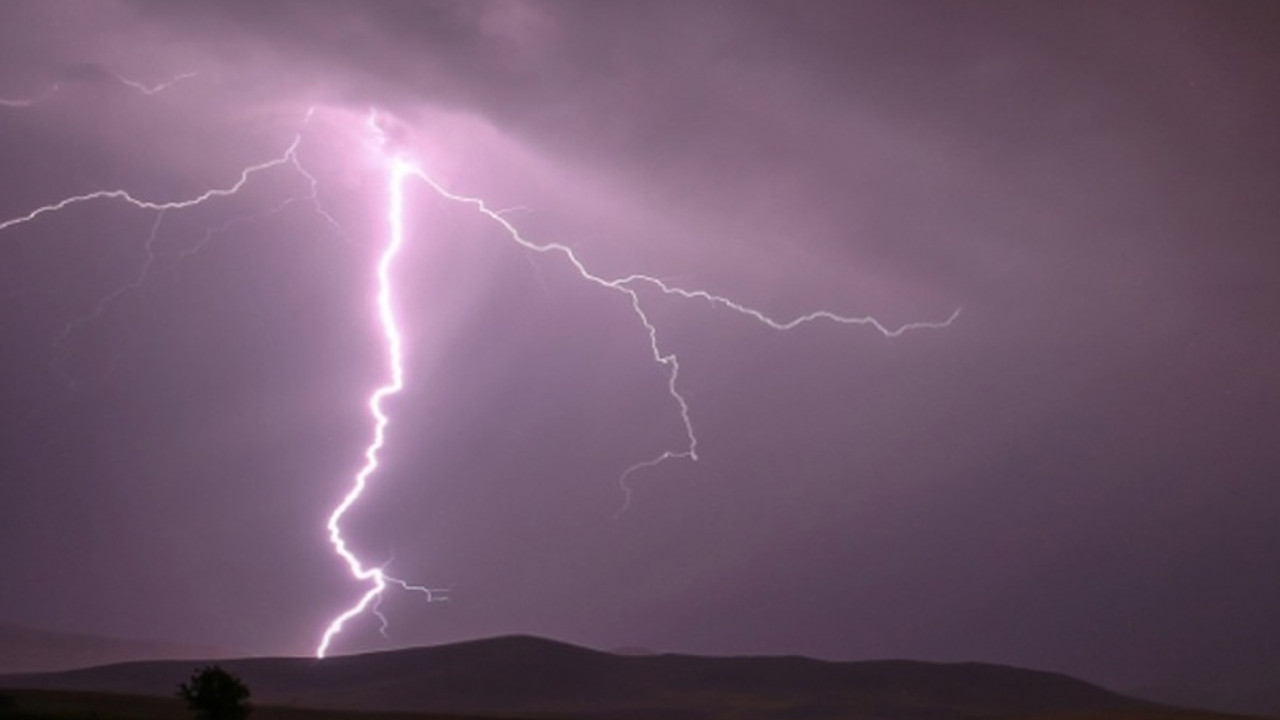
{"points": [[1077, 475]]}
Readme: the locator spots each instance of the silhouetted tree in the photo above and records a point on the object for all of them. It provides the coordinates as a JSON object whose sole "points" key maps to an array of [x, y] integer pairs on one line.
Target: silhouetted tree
{"points": [[215, 694]]}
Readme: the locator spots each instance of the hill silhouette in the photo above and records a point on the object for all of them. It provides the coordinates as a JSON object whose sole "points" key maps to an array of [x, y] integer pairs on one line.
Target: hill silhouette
{"points": [[533, 677]]}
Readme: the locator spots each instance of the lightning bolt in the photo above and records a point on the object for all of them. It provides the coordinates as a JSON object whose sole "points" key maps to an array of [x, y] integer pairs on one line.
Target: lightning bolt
{"points": [[289, 157], [629, 286], [401, 171], [392, 337]]}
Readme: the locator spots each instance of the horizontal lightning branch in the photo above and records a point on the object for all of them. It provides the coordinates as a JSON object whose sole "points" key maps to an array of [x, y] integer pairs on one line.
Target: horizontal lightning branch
{"points": [[289, 157], [627, 286]]}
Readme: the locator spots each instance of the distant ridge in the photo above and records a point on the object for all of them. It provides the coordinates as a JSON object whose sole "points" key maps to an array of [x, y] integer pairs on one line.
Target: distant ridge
{"points": [[26, 650], [533, 677]]}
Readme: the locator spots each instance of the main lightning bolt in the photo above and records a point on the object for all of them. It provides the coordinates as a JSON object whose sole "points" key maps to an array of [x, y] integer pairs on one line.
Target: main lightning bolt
{"points": [[392, 336]]}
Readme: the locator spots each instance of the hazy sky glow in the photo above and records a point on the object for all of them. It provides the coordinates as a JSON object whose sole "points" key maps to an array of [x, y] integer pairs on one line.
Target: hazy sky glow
{"points": [[1080, 474]]}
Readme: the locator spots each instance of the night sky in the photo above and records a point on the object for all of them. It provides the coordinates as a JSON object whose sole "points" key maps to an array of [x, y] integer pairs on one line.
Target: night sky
{"points": [[1079, 474]]}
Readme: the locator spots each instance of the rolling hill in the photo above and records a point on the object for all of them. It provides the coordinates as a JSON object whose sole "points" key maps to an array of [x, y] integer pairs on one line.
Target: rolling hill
{"points": [[532, 677]]}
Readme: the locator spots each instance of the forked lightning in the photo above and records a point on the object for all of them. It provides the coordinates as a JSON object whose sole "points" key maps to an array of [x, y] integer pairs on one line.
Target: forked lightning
{"points": [[400, 171]]}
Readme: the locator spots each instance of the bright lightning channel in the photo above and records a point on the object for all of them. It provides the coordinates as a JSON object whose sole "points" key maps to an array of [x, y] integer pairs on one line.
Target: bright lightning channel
{"points": [[400, 172], [393, 337]]}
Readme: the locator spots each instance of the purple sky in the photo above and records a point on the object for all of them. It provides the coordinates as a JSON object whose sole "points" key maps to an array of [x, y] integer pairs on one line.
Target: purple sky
{"points": [[1080, 474]]}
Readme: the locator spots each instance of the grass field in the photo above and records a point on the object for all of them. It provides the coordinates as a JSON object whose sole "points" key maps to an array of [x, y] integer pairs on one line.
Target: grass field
{"points": [[64, 705]]}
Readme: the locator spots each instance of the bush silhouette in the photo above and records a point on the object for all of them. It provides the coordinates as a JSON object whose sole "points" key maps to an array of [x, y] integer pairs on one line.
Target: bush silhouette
{"points": [[215, 694]]}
